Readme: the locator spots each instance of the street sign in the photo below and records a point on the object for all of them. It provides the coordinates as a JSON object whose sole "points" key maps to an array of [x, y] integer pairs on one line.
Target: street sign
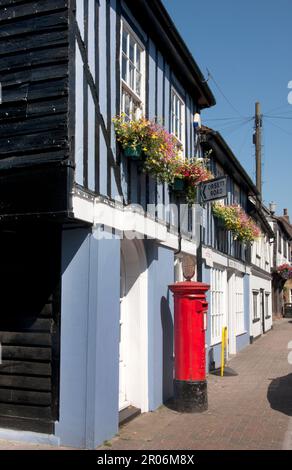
{"points": [[214, 189]]}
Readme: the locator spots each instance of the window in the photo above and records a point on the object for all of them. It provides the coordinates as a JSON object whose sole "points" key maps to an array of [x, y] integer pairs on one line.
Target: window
{"points": [[218, 303], [239, 304], [221, 238], [255, 297], [178, 118], [238, 250], [236, 194], [258, 261], [219, 172], [133, 74], [279, 242], [285, 248], [259, 248], [267, 304], [267, 249]]}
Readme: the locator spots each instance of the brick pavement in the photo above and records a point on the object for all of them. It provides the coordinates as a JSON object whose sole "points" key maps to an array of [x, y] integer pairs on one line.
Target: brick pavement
{"points": [[252, 410], [12, 445]]}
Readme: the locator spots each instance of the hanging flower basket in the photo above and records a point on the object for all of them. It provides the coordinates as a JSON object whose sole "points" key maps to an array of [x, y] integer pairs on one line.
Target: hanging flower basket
{"points": [[190, 173], [135, 153], [162, 155], [234, 219], [285, 271], [131, 136]]}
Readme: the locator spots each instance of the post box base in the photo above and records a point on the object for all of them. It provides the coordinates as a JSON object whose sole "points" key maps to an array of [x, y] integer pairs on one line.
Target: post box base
{"points": [[190, 397]]}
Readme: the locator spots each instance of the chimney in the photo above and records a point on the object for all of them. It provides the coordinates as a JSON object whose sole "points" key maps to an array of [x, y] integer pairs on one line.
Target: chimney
{"points": [[286, 215]]}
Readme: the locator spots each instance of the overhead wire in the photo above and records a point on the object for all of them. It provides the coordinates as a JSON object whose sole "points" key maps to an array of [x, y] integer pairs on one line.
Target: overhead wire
{"points": [[231, 130], [282, 114], [277, 117], [244, 140], [232, 124], [279, 127], [225, 119], [235, 126], [210, 75], [277, 108]]}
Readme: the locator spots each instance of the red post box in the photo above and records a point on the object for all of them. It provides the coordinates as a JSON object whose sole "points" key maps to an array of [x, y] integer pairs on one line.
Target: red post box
{"points": [[190, 324]]}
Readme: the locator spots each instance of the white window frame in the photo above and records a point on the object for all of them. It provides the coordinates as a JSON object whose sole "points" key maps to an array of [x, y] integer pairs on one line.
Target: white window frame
{"points": [[258, 254], [267, 254], [255, 296], [137, 100], [280, 243], [182, 119], [239, 305], [236, 194], [218, 303], [267, 305]]}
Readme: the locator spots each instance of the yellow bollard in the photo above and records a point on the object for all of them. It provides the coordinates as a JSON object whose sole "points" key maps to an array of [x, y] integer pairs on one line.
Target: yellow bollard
{"points": [[223, 349]]}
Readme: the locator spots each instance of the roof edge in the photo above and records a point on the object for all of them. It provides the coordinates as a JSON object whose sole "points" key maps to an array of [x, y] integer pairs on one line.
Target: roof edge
{"points": [[223, 144], [285, 225], [162, 27]]}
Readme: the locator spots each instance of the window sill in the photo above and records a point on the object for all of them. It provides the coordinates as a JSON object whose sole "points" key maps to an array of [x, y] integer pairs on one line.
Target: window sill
{"points": [[181, 144], [241, 334], [137, 98], [215, 343]]}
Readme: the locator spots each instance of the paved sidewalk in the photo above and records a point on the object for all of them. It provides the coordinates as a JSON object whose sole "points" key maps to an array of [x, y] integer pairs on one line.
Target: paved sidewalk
{"points": [[252, 410], [12, 445]]}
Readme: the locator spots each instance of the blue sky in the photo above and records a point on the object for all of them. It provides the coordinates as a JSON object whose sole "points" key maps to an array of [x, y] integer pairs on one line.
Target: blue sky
{"points": [[247, 46]]}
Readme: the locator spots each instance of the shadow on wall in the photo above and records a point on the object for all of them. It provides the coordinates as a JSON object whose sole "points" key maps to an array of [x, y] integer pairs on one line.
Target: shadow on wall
{"points": [[280, 394], [167, 332], [211, 360]]}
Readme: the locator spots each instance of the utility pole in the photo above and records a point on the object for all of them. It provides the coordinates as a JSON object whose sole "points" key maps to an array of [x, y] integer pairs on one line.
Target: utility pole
{"points": [[258, 146]]}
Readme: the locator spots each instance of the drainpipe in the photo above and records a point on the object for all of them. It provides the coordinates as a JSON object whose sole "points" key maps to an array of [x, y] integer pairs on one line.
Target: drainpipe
{"points": [[178, 252]]}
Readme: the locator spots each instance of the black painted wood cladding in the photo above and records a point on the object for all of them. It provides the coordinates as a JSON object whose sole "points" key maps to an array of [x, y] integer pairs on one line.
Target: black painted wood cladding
{"points": [[36, 175], [34, 58], [29, 327]]}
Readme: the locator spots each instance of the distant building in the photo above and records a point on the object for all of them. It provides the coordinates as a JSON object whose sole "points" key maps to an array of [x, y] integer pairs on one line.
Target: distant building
{"points": [[261, 278], [238, 273], [281, 255]]}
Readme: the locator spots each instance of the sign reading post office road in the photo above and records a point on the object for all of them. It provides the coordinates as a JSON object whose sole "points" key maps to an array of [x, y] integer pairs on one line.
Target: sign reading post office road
{"points": [[214, 189]]}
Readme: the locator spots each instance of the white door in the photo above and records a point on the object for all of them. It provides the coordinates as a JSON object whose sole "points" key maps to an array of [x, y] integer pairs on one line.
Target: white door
{"points": [[239, 305], [133, 341], [123, 403], [231, 314], [218, 304]]}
